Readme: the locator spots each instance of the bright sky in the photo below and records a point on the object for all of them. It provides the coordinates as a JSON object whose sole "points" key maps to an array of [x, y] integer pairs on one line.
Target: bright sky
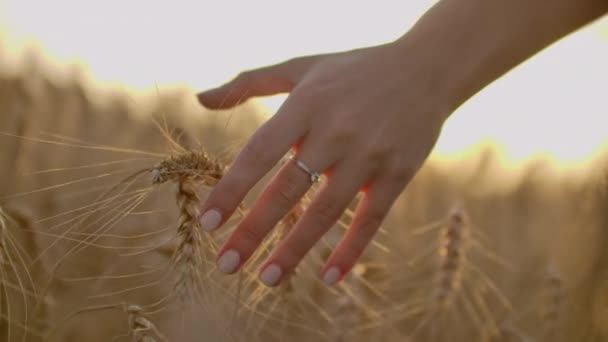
{"points": [[556, 103]]}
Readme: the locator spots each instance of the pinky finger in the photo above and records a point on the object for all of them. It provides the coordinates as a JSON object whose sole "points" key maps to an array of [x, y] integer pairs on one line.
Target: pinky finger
{"points": [[370, 214]]}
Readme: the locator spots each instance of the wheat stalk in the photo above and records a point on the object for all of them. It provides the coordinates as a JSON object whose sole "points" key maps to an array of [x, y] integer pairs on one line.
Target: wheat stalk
{"points": [[187, 170], [14, 308], [3, 233], [448, 275]]}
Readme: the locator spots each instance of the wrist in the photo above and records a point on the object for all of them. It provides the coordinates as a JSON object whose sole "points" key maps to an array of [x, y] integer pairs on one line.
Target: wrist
{"points": [[466, 45], [436, 70]]}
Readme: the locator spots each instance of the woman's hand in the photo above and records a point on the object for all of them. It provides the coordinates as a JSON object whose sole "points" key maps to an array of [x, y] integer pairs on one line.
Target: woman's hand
{"points": [[365, 119]]}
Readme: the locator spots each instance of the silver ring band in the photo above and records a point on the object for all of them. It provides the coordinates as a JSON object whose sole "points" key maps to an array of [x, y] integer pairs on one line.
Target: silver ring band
{"points": [[314, 176]]}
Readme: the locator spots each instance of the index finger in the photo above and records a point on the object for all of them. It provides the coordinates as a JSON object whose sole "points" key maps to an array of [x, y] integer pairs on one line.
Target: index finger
{"points": [[263, 150]]}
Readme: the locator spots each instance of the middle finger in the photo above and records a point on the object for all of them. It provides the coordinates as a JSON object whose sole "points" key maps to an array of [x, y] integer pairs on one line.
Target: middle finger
{"points": [[285, 190], [328, 205]]}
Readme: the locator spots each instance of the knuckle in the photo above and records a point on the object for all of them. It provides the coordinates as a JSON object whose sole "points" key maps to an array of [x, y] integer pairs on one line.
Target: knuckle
{"points": [[344, 132], [295, 61], [341, 132], [286, 191], [370, 224], [326, 211], [378, 152], [245, 76], [365, 232], [250, 236], [292, 254], [400, 173], [255, 154], [227, 194], [349, 256], [317, 98]]}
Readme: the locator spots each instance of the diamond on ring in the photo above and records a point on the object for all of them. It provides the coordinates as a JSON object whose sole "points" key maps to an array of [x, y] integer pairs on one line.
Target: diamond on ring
{"points": [[314, 176]]}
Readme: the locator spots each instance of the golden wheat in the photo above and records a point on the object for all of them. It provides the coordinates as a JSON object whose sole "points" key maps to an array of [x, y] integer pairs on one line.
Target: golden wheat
{"points": [[18, 293], [102, 172]]}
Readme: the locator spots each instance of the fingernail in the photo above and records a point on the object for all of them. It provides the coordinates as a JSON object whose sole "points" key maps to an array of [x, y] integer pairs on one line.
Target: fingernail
{"points": [[271, 275], [210, 220], [331, 276], [228, 262]]}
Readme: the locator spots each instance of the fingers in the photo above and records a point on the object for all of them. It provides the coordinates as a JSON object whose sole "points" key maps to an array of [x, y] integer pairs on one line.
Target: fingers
{"points": [[263, 150], [370, 213], [286, 189], [341, 187], [275, 79]]}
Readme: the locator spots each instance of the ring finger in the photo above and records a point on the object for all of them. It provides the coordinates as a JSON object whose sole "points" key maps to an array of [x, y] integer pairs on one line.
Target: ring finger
{"points": [[342, 186], [282, 194]]}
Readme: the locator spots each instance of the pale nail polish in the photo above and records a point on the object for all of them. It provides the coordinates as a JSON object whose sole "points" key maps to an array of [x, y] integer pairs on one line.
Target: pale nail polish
{"points": [[331, 276], [210, 220], [228, 262], [271, 275]]}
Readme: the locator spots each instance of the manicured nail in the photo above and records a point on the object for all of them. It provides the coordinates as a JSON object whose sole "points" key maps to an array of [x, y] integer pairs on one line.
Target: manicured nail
{"points": [[271, 275], [228, 262], [210, 220], [331, 276]]}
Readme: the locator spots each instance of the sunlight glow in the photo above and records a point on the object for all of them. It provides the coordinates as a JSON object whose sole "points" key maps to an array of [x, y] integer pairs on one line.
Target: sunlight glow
{"points": [[554, 105]]}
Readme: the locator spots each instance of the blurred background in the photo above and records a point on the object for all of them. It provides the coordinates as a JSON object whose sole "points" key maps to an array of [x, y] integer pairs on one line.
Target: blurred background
{"points": [[553, 106], [90, 91]]}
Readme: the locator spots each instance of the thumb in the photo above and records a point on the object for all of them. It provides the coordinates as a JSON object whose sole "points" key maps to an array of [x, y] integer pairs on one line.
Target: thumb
{"points": [[270, 80]]}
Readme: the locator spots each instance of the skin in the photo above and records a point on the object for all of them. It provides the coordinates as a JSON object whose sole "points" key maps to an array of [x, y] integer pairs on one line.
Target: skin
{"points": [[367, 119]]}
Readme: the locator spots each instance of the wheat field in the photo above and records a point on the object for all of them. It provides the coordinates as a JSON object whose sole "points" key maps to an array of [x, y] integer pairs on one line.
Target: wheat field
{"points": [[99, 239]]}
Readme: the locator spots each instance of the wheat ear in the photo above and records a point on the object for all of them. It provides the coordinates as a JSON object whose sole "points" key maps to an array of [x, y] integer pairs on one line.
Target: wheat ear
{"points": [[141, 329], [553, 301], [189, 251], [188, 169], [195, 165], [451, 255]]}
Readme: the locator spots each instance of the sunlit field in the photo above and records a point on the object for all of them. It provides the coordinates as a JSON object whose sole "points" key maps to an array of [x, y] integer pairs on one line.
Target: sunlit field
{"points": [[106, 156]]}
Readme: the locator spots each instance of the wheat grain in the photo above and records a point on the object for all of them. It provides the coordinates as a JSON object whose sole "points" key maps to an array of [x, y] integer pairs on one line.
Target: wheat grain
{"points": [[450, 282], [187, 170], [451, 254], [553, 298], [188, 257], [141, 329], [194, 165]]}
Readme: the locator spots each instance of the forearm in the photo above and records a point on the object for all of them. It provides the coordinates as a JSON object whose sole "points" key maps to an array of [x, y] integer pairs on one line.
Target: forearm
{"points": [[470, 43]]}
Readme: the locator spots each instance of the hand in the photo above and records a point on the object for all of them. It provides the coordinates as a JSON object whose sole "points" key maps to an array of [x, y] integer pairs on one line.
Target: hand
{"points": [[366, 119]]}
